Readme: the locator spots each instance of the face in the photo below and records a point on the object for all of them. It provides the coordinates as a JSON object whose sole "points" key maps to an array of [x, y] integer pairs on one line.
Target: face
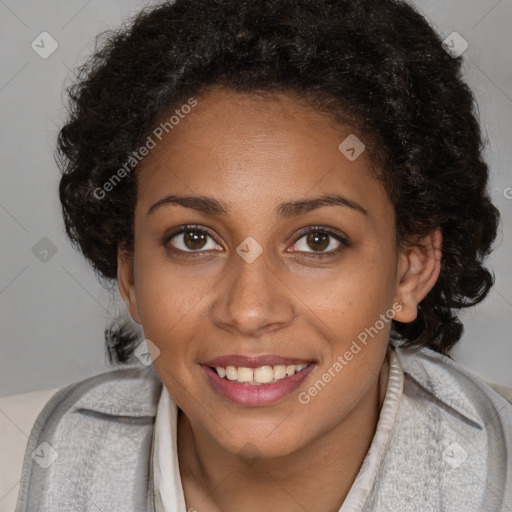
{"points": [[258, 272]]}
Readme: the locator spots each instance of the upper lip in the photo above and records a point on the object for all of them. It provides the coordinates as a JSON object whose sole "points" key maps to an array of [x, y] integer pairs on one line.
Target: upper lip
{"points": [[254, 361]]}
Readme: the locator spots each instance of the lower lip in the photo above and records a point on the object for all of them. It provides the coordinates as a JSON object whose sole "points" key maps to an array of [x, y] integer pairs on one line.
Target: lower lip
{"points": [[263, 394]]}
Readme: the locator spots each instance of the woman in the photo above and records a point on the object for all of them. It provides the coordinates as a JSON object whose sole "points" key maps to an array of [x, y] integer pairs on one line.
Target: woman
{"points": [[292, 200]]}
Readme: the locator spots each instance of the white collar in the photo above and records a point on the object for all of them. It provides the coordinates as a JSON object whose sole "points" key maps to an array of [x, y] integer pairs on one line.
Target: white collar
{"points": [[168, 487]]}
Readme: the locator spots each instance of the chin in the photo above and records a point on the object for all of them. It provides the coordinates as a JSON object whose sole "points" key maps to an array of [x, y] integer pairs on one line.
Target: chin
{"points": [[269, 444]]}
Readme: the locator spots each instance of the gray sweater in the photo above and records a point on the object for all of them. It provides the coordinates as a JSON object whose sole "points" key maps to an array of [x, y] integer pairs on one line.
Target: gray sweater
{"points": [[450, 450]]}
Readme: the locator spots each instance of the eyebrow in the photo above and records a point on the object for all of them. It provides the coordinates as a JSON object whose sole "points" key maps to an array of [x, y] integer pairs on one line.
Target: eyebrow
{"points": [[211, 206]]}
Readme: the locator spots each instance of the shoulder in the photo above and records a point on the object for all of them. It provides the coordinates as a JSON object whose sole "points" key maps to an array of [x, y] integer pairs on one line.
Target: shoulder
{"points": [[454, 384], [71, 432], [127, 391], [449, 395], [451, 443], [17, 416]]}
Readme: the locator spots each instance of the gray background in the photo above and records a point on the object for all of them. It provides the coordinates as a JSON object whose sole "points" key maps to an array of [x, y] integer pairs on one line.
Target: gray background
{"points": [[53, 313]]}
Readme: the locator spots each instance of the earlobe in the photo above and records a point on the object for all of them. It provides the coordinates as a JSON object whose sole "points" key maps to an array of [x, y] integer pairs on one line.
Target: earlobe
{"points": [[418, 270], [126, 283]]}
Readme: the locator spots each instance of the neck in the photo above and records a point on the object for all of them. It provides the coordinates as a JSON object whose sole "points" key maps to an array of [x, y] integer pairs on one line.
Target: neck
{"points": [[316, 477]]}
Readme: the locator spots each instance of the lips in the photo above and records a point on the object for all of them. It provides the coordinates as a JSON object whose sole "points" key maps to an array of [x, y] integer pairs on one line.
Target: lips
{"points": [[264, 386]]}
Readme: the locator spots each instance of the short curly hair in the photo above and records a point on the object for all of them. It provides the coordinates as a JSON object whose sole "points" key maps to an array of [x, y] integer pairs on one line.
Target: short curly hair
{"points": [[374, 65]]}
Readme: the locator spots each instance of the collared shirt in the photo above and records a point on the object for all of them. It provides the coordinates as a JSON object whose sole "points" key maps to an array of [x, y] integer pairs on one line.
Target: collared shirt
{"points": [[443, 441]]}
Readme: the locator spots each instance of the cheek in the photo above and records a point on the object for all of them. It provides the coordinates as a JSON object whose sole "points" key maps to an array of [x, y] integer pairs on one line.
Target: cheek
{"points": [[350, 298], [359, 315], [356, 316], [168, 303]]}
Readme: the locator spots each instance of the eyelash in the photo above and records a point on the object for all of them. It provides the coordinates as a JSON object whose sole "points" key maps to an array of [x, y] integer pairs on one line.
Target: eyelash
{"points": [[344, 243]]}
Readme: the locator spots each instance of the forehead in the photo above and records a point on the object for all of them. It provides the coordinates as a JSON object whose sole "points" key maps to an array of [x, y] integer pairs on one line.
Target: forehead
{"points": [[257, 149]]}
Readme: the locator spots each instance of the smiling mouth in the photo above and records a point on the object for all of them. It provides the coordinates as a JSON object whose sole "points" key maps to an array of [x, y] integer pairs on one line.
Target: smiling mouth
{"points": [[258, 376]]}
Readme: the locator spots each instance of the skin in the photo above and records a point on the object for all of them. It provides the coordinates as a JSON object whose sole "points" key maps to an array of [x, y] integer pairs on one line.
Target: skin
{"points": [[252, 153]]}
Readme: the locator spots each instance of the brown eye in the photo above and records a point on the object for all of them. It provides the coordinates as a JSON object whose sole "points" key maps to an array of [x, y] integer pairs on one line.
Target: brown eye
{"points": [[320, 242], [194, 239], [190, 239]]}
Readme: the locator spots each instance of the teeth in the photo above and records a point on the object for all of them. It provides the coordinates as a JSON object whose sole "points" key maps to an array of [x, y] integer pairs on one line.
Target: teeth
{"points": [[231, 373], [279, 371], [262, 375], [245, 374]]}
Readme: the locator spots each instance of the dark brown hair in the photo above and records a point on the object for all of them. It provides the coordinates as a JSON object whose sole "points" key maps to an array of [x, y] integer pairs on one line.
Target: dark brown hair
{"points": [[377, 64]]}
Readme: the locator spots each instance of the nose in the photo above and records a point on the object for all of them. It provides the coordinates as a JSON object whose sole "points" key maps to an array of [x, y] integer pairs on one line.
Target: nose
{"points": [[252, 299]]}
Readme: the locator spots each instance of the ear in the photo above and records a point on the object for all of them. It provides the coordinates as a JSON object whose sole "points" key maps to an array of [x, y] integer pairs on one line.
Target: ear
{"points": [[126, 282], [419, 265]]}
